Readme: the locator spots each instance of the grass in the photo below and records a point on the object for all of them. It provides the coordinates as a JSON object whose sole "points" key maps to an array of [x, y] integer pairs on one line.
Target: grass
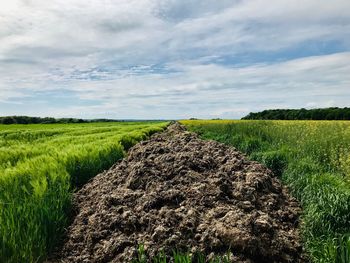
{"points": [[178, 257], [313, 159], [40, 166]]}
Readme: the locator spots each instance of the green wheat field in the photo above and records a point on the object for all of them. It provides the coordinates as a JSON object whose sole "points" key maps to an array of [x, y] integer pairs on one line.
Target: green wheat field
{"points": [[40, 166]]}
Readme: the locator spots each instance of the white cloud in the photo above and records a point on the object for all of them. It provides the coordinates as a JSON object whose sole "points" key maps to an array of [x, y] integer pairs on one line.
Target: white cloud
{"points": [[145, 58]]}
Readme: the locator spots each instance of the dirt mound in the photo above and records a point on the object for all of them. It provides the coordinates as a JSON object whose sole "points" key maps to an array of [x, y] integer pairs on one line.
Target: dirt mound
{"points": [[178, 191]]}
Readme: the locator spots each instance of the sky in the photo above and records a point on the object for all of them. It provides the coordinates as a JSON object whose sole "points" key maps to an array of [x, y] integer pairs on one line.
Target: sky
{"points": [[172, 59]]}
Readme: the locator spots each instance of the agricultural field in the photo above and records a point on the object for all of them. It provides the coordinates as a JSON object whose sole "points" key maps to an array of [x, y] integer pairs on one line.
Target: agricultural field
{"points": [[313, 159], [41, 165]]}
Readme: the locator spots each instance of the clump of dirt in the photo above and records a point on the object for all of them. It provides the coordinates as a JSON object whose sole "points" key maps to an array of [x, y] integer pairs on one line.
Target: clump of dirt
{"points": [[176, 191]]}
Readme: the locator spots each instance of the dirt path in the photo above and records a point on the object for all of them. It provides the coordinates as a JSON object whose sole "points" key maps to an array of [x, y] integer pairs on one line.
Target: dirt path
{"points": [[178, 191]]}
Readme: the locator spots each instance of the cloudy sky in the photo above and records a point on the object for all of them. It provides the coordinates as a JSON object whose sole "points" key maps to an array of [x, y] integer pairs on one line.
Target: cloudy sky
{"points": [[172, 58]]}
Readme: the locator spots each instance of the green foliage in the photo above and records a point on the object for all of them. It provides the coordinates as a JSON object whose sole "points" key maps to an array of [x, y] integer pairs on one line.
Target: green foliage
{"points": [[178, 257], [276, 160], [40, 166], [36, 120], [301, 114], [343, 249], [313, 159], [48, 120]]}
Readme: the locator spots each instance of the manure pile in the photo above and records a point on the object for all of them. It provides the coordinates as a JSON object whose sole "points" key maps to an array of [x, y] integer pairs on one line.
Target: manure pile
{"points": [[176, 191]]}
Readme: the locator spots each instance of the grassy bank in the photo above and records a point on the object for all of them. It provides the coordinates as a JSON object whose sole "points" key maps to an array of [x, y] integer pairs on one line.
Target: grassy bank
{"points": [[313, 159], [40, 165]]}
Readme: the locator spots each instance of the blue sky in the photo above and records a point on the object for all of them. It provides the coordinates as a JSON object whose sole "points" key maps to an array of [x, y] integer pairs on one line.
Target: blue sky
{"points": [[151, 59]]}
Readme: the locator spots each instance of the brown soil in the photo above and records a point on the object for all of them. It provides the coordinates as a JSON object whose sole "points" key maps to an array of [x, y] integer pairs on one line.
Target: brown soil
{"points": [[178, 191]]}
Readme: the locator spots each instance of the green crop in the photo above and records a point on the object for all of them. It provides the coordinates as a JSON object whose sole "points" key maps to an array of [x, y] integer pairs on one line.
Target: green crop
{"points": [[40, 166]]}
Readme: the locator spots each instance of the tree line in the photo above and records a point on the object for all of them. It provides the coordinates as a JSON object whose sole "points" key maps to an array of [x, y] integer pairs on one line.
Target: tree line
{"points": [[333, 113], [46, 120]]}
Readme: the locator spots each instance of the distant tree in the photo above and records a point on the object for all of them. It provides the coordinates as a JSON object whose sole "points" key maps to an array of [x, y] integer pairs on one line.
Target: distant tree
{"points": [[8, 120], [301, 114], [46, 120]]}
